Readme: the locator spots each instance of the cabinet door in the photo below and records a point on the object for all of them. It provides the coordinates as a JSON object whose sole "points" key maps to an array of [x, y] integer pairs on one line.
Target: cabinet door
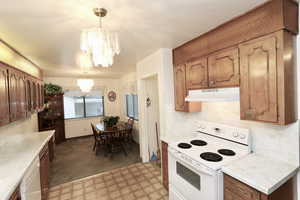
{"points": [[223, 68], [180, 90], [28, 96], [44, 171], [16, 195], [164, 147], [259, 80], [33, 95], [41, 95], [22, 101], [4, 102], [13, 95], [196, 74], [38, 95]]}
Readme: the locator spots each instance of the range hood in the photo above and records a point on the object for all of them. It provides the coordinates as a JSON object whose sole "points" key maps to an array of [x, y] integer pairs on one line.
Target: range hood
{"points": [[214, 95]]}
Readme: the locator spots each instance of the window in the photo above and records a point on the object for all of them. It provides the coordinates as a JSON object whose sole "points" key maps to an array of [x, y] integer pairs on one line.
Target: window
{"points": [[84, 106], [132, 106]]}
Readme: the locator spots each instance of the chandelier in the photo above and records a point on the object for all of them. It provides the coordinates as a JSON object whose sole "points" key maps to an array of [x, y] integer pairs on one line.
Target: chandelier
{"points": [[85, 85], [101, 44]]}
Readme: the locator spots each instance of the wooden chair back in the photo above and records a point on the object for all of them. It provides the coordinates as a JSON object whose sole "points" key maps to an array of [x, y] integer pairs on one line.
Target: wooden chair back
{"points": [[95, 133]]}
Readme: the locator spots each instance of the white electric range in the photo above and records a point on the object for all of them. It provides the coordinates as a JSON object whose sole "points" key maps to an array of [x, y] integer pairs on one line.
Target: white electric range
{"points": [[195, 163]]}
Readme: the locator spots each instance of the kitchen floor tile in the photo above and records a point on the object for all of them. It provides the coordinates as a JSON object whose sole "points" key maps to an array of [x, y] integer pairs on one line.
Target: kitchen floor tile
{"points": [[135, 182]]}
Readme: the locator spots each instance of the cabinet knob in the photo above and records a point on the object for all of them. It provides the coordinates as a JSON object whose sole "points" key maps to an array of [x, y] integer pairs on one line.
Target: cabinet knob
{"points": [[212, 82], [249, 114]]}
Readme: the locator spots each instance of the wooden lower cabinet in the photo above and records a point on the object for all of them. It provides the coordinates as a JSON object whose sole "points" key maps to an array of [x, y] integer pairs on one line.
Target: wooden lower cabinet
{"points": [[16, 195], [165, 173], [236, 190], [44, 171], [51, 147]]}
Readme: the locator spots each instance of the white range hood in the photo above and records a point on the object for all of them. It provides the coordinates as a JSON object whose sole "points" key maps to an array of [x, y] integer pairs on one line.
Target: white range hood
{"points": [[214, 95]]}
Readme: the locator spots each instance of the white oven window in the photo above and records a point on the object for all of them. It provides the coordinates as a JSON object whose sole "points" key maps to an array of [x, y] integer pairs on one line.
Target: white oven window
{"points": [[191, 177]]}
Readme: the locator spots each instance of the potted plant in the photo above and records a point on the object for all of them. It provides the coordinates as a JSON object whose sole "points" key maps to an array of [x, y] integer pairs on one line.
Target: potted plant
{"points": [[51, 89], [110, 121]]}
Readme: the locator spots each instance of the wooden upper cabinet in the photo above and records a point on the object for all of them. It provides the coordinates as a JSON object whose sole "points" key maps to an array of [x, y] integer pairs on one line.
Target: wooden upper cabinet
{"points": [[223, 68], [42, 95], [13, 95], [22, 101], [196, 74], [181, 92], [180, 89], [4, 101], [33, 95], [259, 80], [17, 95], [38, 95], [28, 96]]}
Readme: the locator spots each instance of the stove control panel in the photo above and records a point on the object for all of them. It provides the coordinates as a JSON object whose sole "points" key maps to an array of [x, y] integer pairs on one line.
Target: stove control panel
{"points": [[240, 135]]}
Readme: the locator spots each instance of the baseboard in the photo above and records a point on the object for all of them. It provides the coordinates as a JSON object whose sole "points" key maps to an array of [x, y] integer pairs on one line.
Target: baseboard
{"points": [[79, 137]]}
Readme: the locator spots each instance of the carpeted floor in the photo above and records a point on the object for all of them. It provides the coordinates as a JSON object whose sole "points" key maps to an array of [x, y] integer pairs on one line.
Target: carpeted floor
{"points": [[135, 182], [75, 159]]}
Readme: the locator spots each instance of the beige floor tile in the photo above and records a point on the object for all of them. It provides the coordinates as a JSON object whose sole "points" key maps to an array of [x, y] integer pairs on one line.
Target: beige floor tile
{"points": [[77, 192], [139, 193], [136, 182], [66, 196], [129, 197], [54, 193]]}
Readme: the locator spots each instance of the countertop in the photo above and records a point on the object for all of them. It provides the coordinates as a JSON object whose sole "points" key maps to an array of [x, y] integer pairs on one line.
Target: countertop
{"points": [[262, 173], [17, 152]]}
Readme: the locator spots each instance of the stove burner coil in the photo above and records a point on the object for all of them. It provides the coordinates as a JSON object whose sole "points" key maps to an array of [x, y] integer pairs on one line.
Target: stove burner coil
{"points": [[212, 157], [184, 145], [226, 152], [198, 142]]}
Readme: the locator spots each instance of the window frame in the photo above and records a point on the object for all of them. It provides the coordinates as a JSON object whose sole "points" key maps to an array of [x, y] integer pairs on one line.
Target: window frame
{"points": [[84, 111], [134, 111]]}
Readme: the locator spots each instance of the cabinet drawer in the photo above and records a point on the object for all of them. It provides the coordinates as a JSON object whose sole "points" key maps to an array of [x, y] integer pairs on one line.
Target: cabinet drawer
{"points": [[233, 187]]}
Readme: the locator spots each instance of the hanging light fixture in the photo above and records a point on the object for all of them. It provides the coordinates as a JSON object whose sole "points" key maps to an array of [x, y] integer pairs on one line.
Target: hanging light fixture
{"points": [[102, 44], [85, 85]]}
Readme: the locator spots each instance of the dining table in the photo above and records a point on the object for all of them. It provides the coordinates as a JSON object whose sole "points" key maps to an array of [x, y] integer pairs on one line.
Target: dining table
{"points": [[121, 126], [115, 135]]}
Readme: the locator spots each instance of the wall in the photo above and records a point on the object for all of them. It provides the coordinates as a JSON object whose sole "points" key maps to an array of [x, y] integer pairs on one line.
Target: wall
{"points": [[82, 127], [280, 142], [152, 113], [27, 125], [11, 57], [128, 85]]}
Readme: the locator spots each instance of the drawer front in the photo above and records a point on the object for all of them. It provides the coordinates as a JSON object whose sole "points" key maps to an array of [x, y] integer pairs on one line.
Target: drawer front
{"points": [[234, 189]]}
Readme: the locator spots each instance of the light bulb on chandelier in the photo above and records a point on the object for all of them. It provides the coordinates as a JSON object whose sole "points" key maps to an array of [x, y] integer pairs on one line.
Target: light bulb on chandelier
{"points": [[102, 44], [85, 85]]}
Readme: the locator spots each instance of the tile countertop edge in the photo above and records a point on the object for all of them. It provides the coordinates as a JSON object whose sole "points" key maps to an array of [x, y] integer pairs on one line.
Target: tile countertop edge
{"points": [[254, 185], [11, 190]]}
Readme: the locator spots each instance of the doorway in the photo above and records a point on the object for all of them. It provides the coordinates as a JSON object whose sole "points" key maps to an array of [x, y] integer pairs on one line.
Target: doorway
{"points": [[150, 119]]}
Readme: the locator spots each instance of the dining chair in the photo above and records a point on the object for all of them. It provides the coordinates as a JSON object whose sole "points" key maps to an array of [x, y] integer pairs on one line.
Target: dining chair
{"points": [[129, 131], [115, 142], [98, 137]]}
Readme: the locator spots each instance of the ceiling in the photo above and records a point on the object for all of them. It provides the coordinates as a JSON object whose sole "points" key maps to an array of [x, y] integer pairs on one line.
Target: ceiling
{"points": [[48, 31]]}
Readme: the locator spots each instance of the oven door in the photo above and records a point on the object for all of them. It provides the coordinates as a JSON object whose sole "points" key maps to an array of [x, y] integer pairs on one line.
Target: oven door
{"points": [[188, 182]]}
